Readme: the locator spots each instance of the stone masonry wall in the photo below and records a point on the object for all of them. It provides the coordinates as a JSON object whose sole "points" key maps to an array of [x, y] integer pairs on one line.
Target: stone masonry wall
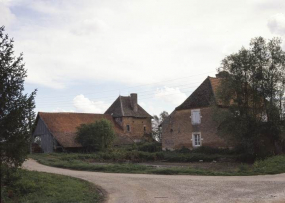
{"points": [[136, 126], [177, 131]]}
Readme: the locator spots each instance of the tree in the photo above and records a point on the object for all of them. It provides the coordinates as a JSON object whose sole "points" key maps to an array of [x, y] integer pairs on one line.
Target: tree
{"points": [[16, 108], [156, 129], [96, 136], [253, 91]]}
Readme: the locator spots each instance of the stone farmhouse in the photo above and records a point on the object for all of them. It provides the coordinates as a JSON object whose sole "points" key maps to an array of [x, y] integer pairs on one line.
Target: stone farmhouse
{"points": [[133, 119], [191, 125], [57, 131]]}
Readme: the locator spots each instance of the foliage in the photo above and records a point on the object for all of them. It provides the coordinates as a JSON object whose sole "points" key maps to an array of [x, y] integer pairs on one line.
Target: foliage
{"points": [[16, 109], [96, 136], [272, 165], [43, 187], [211, 150], [149, 147], [156, 129], [253, 88], [135, 156]]}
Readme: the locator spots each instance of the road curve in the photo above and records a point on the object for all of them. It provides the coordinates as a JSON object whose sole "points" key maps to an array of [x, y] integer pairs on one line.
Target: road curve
{"points": [[141, 188]]}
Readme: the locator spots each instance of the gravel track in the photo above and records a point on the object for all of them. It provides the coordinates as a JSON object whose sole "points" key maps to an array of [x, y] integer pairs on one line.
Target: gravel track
{"points": [[145, 188]]}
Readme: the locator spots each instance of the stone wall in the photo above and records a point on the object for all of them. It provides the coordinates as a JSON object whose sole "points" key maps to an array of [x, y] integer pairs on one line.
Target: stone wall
{"points": [[136, 126], [177, 130]]}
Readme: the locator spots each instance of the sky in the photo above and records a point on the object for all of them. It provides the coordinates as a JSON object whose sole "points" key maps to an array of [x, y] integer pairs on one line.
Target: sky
{"points": [[81, 55]]}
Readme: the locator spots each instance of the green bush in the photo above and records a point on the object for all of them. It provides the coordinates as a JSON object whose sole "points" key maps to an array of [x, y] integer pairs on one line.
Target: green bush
{"points": [[149, 147], [211, 150], [123, 155], [96, 136], [271, 165], [192, 157], [183, 150], [245, 158]]}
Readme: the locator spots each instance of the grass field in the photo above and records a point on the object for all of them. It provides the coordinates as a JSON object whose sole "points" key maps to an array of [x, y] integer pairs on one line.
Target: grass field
{"points": [[35, 187], [272, 165]]}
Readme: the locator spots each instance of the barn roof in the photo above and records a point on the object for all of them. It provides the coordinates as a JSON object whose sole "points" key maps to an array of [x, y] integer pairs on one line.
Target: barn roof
{"points": [[203, 96], [63, 125], [122, 107]]}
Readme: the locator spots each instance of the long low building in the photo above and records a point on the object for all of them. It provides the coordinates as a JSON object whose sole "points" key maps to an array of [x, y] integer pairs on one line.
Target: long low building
{"points": [[57, 131]]}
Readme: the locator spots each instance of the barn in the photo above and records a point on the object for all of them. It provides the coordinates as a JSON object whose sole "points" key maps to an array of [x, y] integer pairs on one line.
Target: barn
{"points": [[57, 131]]}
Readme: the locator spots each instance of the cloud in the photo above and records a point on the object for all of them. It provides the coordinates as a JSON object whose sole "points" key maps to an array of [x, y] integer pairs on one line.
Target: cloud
{"points": [[58, 109], [85, 105], [89, 26], [276, 24], [170, 95], [6, 16], [263, 5], [143, 104], [127, 42], [66, 41], [230, 48]]}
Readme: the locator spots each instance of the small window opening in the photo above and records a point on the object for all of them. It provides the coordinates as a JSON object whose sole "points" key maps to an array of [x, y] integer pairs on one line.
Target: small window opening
{"points": [[128, 128]]}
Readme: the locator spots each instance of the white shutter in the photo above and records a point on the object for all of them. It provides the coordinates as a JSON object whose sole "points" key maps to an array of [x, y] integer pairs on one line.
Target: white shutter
{"points": [[195, 116]]}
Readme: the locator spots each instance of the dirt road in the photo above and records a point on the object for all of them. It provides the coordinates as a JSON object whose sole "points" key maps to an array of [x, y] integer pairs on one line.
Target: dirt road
{"points": [[140, 188]]}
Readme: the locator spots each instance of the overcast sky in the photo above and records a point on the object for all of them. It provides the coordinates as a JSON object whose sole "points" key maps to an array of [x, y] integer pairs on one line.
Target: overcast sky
{"points": [[81, 55]]}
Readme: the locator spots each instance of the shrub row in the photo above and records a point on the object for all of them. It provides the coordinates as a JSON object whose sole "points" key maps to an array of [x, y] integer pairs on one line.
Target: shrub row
{"points": [[119, 156], [271, 165]]}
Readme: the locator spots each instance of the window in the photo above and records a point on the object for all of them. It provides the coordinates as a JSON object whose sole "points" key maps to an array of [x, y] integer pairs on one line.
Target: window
{"points": [[128, 128], [195, 116], [196, 139], [144, 128]]}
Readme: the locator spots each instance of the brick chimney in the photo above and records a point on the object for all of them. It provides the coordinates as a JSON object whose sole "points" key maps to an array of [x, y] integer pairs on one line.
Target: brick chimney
{"points": [[134, 102]]}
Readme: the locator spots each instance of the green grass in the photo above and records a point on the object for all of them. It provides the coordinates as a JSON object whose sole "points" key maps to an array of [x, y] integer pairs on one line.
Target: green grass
{"points": [[272, 165], [35, 187]]}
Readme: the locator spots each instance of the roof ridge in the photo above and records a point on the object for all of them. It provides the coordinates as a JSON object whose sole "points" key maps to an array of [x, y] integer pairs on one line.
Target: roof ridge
{"points": [[199, 97], [70, 113], [122, 110], [212, 89]]}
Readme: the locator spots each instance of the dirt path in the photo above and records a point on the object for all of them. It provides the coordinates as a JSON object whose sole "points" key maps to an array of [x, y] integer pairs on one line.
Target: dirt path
{"points": [[140, 188]]}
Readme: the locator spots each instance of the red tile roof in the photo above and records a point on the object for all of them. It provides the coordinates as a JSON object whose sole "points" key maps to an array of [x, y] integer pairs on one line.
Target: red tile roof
{"points": [[63, 125]]}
